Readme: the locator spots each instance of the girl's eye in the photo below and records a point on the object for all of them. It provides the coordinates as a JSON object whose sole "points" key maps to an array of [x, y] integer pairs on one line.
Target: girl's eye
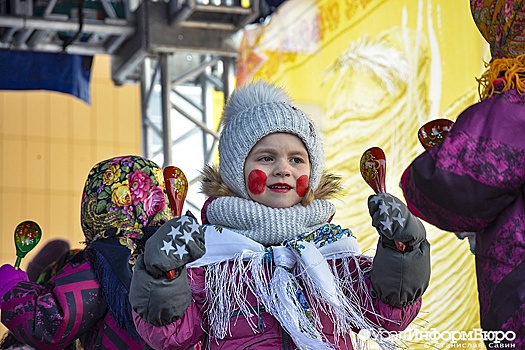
{"points": [[265, 159], [297, 160]]}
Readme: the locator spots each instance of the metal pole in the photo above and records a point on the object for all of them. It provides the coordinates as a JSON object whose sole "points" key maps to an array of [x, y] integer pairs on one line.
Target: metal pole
{"points": [[228, 76], [166, 108], [144, 108]]}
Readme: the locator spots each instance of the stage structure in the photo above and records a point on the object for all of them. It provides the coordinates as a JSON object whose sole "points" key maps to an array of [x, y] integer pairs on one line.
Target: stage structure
{"points": [[179, 51]]}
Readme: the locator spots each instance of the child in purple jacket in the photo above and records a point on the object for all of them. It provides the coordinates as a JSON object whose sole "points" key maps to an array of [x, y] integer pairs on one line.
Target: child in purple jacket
{"points": [[124, 202], [474, 181], [276, 273]]}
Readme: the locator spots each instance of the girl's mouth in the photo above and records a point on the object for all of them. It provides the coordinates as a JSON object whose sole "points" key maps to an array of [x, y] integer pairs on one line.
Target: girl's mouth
{"points": [[280, 187]]}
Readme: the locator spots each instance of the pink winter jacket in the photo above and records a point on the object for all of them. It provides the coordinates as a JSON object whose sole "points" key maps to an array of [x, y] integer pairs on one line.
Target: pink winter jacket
{"points": [[191, 328]]}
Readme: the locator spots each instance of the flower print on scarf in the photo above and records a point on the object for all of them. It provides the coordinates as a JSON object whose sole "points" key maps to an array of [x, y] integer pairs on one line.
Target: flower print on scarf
{"points": [[155, 202], [111, 175], [159, 176], [140, 183], [121, 196]]}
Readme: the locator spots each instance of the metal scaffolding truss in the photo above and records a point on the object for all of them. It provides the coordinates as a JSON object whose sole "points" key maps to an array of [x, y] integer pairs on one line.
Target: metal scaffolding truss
{"points": [[181, 51], [56, 26], [185, 59], [123, 28], [178, 124], [181, 26]]}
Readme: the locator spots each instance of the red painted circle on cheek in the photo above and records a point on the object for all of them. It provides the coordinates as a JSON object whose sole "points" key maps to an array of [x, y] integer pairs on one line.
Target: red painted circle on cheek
{"points": [[302, 185], [257, 181]]}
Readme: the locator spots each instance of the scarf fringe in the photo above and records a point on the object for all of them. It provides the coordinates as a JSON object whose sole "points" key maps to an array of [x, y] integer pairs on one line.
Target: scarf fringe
{"points": [[287, 308], [349, 314], [115, 294], [226, 297]]}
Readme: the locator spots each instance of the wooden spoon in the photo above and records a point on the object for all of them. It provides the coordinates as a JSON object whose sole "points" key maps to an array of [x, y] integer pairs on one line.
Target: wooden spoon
{"points": [[373, 171], [27, 236], [434, 132], [177, 187]]}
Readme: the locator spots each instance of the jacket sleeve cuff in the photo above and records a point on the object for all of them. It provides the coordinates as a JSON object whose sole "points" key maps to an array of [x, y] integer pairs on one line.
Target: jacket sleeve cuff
{"points": [[161, 300], [400, 278]]}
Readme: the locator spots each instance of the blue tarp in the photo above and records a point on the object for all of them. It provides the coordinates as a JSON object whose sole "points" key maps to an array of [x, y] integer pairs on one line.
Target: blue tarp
{"points": [[29, 70]]}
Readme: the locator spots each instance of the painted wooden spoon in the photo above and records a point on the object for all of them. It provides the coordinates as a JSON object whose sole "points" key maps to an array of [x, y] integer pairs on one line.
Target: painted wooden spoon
{"points": [[27, 236], [177, 187], [373, 170], [434, 132]]}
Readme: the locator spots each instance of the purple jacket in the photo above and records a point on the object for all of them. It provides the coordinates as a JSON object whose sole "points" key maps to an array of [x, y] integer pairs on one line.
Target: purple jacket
{"points": [[67, 307], [191, 328], [474, 182]]}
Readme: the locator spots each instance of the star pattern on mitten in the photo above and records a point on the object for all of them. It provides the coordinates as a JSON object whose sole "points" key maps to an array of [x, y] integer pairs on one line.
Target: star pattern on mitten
{"points": [[390, 209], [387, 223], [167, 247], [180, 232], [181, 250]]}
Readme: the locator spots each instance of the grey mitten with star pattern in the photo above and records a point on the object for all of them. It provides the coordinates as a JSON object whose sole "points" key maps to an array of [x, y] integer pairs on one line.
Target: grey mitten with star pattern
{"points": [[176, 243], [154, 296], [398, 278]]}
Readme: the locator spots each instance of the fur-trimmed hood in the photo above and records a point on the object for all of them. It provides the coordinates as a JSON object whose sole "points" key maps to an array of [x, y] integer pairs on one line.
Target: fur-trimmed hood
{"points": [[213, 186]]}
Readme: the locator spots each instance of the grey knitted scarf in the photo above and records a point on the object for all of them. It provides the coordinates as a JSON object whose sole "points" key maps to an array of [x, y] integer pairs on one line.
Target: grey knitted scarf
{"points": [[265, 225]]}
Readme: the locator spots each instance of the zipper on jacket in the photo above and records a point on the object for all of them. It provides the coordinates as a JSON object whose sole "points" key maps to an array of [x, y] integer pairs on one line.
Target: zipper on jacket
{"points": [[286, 340], [259, 309], [260, 322]]}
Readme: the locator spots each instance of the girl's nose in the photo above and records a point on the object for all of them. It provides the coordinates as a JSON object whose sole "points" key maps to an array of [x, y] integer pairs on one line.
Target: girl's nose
{"points": [[282, 168]]}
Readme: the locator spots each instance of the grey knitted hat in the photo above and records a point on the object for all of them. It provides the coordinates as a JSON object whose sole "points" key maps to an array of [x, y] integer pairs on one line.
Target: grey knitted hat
{"points": [[252, 112]]}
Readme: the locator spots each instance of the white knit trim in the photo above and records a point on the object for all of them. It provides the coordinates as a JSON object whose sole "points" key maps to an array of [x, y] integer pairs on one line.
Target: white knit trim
{"points": [[266, 225]]}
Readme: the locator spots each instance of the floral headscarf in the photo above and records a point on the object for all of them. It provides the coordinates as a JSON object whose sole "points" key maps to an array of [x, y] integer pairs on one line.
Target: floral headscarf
{"points": [[126, 194], [123, 204], [502, 24]]}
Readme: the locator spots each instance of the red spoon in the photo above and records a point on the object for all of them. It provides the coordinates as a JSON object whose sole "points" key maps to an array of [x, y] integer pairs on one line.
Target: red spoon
{"points": [[27, 236], [177, 187], [434, 132], [373, 170]]}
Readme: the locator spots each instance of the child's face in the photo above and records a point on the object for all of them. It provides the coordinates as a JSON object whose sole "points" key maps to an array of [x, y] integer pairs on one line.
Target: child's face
{"points": [[277, 170]]}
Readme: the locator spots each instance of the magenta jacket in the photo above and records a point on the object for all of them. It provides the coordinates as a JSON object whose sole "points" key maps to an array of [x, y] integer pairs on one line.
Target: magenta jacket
{"points": [[68, 307], [191, 328]]}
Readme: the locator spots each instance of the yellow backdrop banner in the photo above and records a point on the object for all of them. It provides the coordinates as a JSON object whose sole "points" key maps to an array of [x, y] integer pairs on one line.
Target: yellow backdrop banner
{"points": [[371, 72]]}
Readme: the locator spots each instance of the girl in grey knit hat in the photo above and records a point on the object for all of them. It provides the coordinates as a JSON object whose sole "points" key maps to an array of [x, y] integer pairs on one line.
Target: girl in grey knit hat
{"points": [[276, 273]]}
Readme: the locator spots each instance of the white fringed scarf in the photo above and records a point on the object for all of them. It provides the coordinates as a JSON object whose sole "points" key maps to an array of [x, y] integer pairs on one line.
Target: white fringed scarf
{"points": [[241, 249]]}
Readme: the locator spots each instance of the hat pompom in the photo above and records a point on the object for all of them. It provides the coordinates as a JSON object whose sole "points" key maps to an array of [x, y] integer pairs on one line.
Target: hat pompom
{"points": [[251, 95]]}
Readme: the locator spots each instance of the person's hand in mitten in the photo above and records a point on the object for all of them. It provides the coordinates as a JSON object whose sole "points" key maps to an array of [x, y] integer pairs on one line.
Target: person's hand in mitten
{"points": [[176, 243], [160, 292], [10, 277], [393, 220], [399, 277]]}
